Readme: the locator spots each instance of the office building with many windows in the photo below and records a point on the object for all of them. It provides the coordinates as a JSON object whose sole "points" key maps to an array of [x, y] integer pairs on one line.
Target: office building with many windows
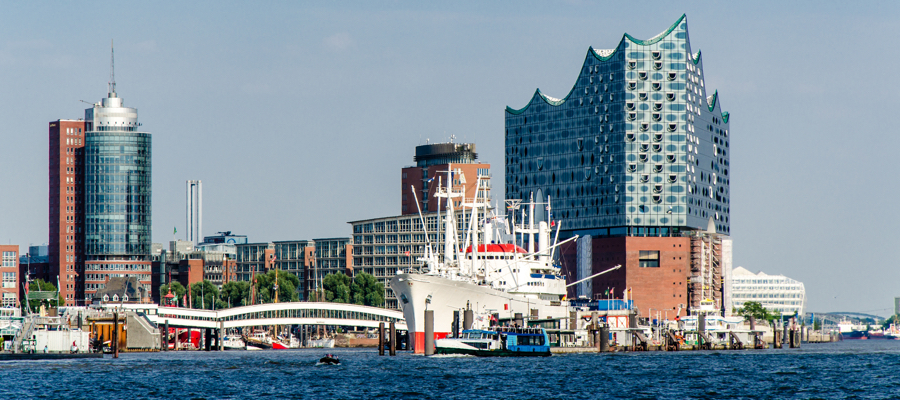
{"points": [[637, 149], [100, 194]]}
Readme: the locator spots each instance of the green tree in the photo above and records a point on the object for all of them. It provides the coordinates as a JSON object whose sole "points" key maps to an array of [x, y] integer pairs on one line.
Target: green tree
{"points": [[287, 286], [206, 295], [236, 293], [177, 289], [756, 310], [336, 288], [366, 290], [39, 285]]}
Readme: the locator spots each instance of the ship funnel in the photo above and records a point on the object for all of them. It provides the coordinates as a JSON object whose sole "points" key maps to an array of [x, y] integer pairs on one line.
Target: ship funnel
{"points": [[488, 233]]}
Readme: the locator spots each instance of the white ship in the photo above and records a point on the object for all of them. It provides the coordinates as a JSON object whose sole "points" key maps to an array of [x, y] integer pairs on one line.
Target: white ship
{"points": [[487, 278]]}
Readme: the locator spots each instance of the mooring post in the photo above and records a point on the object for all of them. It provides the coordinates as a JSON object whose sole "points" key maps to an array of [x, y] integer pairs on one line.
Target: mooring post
{"points": [[701, 329], [115, 335], [393, 330], [221, 335], [456, 324], [604, 338], [429, 332], [468, 319], [381, 338], [753, 330], [166, 337]]}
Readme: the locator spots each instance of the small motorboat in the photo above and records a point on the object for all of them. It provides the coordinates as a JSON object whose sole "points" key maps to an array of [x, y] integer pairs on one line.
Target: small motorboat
{"points": [[329, 359]]}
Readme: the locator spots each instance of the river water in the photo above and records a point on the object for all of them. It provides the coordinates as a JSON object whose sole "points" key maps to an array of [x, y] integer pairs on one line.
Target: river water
{"points": [[843, 370]]}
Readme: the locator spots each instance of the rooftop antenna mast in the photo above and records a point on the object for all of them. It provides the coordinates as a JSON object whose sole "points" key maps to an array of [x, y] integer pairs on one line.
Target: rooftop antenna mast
{"points": [[112, 70]]}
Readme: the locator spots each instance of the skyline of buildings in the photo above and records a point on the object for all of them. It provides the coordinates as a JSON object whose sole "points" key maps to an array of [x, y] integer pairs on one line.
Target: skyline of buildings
{"points": [[636, 169], [774, 292]]}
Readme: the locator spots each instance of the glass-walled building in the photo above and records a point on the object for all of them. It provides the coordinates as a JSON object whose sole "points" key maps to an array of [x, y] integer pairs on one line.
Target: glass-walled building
{"points": [[117, 195], [638, 147], [635, 159]]}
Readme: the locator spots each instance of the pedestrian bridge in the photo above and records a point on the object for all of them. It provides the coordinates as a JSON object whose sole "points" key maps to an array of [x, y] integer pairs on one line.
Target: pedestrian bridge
{"points": [[295, 313]]}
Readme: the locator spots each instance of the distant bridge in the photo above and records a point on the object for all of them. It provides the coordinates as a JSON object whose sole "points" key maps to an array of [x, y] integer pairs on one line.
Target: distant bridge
{"points": [[295, 313], [838, 315]]}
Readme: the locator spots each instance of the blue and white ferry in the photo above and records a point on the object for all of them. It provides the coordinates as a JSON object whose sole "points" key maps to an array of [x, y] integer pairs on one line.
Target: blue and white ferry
{"points": [[497, 342]]}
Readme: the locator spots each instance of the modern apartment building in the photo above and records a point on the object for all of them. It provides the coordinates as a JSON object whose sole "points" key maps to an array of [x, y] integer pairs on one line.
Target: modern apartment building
{"points": [[434, 163], [775, 292], [635, 160]]}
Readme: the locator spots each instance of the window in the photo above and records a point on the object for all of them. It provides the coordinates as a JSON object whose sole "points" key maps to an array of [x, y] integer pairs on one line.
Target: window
{"points": [[643, 157], [656, 116], [632, 167], [645, 178], [642, 96], [631, 65], [642, 75], [656, 55], [632, 85], [657, 106], [645, 126], [672, 76], [632, 116], [9, 299], [670, 158], [656, 86], [657, 147], [649, 259], [629, 106], [645, 146], [657, 168], [657, 65], [9, 279], [672, 127]]}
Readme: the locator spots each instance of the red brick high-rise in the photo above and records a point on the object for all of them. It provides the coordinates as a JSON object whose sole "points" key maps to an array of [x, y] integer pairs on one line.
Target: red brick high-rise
{"points": [[433, 161], [66, 248]]}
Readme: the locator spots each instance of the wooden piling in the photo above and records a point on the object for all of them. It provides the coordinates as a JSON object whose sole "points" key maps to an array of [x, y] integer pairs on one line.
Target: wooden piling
{"points": [[393, 339], [115, 341], [454, 329], [166, 337], [381, 338], [429, 332]]}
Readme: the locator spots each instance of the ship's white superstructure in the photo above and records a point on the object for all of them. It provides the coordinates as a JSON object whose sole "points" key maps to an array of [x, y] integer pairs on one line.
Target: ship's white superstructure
{"points": [[488, 278]]}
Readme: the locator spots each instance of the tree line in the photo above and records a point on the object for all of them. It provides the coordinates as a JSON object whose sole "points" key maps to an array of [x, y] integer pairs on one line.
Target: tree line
{"points": [[339, 288]]}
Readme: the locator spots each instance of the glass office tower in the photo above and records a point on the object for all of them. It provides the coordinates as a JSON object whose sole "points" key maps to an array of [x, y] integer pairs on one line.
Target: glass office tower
{"points": [[117, 187], [638, 147]]}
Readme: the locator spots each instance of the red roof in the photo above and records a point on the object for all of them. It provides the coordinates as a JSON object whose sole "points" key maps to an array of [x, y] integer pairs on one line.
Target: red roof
{"points": [[497, 248]]}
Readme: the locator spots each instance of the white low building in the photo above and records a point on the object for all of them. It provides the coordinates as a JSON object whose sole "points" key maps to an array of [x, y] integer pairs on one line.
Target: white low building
{"points": [[774, 292]]}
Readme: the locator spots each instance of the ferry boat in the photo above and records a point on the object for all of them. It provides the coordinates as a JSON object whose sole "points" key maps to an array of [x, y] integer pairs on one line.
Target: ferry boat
{"points": [[488, 278], [497, 342]]}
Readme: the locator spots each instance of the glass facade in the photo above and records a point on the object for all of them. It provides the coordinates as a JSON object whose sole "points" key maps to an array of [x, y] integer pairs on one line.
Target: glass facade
{"points": [[638, 147], [117, 195]]}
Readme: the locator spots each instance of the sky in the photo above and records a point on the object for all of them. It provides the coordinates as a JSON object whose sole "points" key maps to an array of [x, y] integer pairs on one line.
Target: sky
{"points": [[298, 116]]}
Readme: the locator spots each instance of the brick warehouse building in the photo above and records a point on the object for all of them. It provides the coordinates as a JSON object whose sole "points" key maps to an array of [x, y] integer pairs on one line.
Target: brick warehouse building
{"points": [[635, 160]]}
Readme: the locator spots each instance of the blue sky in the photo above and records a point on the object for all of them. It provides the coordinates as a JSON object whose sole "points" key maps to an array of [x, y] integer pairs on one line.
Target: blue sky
{"points": [[298, 116]]}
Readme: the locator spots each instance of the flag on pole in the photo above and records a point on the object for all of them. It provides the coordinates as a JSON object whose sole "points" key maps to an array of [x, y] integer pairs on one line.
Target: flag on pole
{"points": [[174, 230]]}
